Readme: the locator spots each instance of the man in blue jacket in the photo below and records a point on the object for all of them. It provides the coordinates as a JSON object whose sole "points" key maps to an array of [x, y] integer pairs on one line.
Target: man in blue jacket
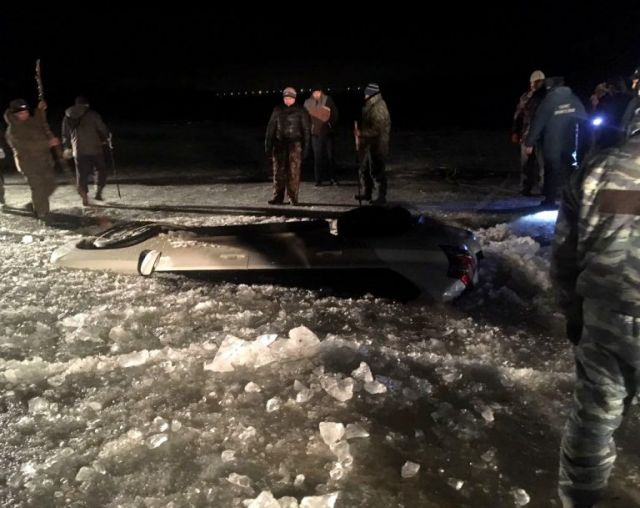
{"points": [[560, 125]]}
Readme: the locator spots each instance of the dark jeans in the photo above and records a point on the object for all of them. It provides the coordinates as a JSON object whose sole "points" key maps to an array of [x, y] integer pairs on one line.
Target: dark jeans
{"points": [[86, 165], [372, 167], [322, 158]]}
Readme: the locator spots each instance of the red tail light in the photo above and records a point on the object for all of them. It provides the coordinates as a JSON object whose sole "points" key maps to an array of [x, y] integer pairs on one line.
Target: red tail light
{"points": [[462, 264]]}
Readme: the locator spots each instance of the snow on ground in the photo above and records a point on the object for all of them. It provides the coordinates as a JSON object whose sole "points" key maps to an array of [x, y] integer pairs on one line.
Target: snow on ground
{"points": [[113, 393]]}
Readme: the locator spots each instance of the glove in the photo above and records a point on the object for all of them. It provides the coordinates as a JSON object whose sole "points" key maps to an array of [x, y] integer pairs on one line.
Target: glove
{"points": [[574, 331], [67, 154]]}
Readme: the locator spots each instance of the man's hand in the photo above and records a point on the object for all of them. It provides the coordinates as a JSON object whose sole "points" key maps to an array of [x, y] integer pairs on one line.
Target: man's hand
{"points": [[42, 105], [528, 150], [53, 141]]}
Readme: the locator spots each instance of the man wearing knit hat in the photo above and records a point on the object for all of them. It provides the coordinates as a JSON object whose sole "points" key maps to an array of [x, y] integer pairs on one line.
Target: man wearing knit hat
{"points": [[373, 142], [531, 165], [287, 141]]}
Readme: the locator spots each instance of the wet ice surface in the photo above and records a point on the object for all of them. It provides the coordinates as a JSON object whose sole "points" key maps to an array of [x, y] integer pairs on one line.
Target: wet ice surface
{"points": [[128, 391]]}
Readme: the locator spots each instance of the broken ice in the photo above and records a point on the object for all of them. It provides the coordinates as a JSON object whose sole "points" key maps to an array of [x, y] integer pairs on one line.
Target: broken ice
{"points": [[331, 432], [409, 469]]}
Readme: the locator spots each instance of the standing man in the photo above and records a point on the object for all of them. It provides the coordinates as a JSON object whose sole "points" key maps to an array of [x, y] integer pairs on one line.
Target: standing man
{"points": [[595, 269], [530, 164], [373, 141], [560, 124], [286, 143], [27, 136], [84, 137], [324, 117]]}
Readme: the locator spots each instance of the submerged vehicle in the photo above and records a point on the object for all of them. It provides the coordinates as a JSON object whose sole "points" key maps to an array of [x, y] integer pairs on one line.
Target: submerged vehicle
{"points": [[376, 248]]}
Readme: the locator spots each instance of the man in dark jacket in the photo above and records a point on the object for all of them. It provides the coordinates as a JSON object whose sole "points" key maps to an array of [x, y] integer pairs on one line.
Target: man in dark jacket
{"points": [[595, 269], [287, 142], [530, 164], [560, 123], [324, 117], [84, 137], [31, 141], [373, 142], [610, 114]]}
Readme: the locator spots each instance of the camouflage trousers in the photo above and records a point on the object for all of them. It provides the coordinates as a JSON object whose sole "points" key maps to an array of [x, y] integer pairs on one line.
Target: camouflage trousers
{"points": [[40, 175], [372, 167], [287, 159], [607, 376]]}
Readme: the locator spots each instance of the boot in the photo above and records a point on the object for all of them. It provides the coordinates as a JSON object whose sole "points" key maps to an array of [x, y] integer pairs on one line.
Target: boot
{"points": [[84, 197], [363, 197], [98, 196]]}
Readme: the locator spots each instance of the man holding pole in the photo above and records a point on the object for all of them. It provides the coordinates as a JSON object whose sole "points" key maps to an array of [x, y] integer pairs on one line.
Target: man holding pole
{"points": [[84, 137]]}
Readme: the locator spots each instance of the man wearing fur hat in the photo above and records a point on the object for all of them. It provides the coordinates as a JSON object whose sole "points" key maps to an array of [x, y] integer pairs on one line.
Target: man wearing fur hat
{"points": [[373, 142], [324, 117], [27, 136], [286, 143]]}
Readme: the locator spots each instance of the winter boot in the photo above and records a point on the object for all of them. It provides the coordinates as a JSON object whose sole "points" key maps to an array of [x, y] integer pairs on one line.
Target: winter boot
{"points": [[98, 196]]}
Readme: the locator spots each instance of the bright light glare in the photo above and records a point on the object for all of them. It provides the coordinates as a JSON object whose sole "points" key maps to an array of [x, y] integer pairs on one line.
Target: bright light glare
{"points": [[542, 217], [597, 121]]}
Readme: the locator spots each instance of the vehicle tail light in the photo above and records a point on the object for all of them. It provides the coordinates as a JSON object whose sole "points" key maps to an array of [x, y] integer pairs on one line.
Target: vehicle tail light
{"points": [[462, 264]]}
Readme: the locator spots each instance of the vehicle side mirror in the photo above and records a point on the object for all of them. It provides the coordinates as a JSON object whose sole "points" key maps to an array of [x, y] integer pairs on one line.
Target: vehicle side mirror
{"points": [[148, 261]]}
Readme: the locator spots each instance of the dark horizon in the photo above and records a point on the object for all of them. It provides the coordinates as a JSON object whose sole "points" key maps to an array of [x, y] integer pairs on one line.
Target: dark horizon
{"points": [[465, 67]]}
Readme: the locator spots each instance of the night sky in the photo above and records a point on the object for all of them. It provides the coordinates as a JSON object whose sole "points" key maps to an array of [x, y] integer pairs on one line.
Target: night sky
{"points": [[460, 66]]}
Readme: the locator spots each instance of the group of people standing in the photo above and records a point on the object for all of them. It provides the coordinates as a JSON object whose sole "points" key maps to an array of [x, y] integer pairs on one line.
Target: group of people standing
{"points": [[294, 130], [84, 139]]}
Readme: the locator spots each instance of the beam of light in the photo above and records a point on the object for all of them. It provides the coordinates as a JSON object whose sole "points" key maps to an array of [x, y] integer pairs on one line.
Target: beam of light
{"points": [[544, 217], [597, 121]]}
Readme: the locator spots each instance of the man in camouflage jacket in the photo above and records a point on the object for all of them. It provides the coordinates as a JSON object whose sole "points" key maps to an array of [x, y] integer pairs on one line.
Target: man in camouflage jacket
{"points": [[31, 142], [287, 142], [596, 272], [373, 143]]}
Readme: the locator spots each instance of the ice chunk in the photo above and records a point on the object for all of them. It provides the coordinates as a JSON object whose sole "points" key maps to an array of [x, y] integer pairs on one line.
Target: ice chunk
{"points": [[375, 387], [487, 414], [363, 373], [342, 451], [274, 404], [239, 479], [74, 321], [247, 434], [288, 502], [85, 474], [235, 352], [409, 469], [326, 501], [157, 440], [331, 432], [341, 390], [175, 425], [160, 424], [488, 455], [455, 483], [354, 430], [264, 500], [304, 396], [38, 405], [520, 497], [337, 471], [298, 386], [26, 239], [134, 359], [299, 481], [251, 387], [228, 456]]}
